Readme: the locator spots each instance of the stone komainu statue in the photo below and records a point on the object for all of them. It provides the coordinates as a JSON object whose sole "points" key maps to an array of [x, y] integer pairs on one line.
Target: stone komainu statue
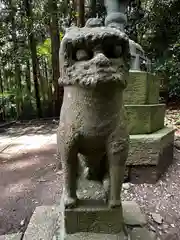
{"points": [[94, 69]]}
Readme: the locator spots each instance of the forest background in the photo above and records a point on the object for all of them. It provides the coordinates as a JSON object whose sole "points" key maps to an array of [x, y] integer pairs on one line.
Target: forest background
{"points": [[30, 36]]}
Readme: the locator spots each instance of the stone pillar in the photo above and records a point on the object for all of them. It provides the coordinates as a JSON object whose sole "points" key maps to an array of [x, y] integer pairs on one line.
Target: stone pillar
{"points": [[116, 16]]}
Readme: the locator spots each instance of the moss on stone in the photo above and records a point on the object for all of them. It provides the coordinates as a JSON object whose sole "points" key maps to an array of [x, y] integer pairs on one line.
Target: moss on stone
{"points": [[143, 88], [145, 118]]}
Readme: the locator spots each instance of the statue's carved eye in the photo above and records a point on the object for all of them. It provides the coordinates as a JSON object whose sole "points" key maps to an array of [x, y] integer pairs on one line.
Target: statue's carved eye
{"points": [[118, 51], [113, 51], [82, 55]]}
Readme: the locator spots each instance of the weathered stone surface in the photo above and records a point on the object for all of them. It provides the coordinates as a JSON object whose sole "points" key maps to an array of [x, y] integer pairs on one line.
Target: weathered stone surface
{"points": [[153, 88], [90, 190], [95, 236], [15, 236], [150, 149], [132, 214], [144, 174], [94, 70], [145, 118], [177, 142], [116, 16], [157, 218], [147, 173], [143, 88], [93, 216], [42, 224], [142, 234]]}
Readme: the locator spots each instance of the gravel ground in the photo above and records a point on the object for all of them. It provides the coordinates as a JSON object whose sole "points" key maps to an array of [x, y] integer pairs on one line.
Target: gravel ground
{"points": [[161, 201], [162, 198], [28, 179]]}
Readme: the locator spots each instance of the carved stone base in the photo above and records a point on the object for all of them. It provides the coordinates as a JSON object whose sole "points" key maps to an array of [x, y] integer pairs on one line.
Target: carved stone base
{"points": [[150, 149], [135, 234], [150, 155], [96, 236], [93, 216], [47, 223], [100, 223]]}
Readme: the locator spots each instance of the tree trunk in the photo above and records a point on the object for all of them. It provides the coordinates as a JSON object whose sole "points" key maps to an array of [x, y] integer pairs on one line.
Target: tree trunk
{"points": [[28, 77], [55, 44], [2, 114], [93, 8], [28, 81], [1, 83], [48, 75], [41, 81], [81, 12], [19, 100], [74, 9], [32, 43]]}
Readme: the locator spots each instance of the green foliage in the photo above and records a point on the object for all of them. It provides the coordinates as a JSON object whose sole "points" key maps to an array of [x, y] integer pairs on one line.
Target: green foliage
{"points": [[61, 35], [44, 49], [170, 67], [8, 105], [155, 24], [157, 30]]}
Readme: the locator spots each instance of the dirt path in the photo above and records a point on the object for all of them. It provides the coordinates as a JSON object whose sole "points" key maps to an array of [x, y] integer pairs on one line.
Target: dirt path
{"points": [[27, 176], [28, 179]]}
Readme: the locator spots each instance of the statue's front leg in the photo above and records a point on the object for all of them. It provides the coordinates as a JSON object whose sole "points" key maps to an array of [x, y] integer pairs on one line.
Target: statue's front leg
{"points": [[117, 156], [69, 161]]}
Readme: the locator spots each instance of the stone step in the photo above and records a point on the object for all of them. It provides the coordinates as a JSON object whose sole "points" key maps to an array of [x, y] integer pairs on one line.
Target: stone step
{"points": [[95, 236], [142, 234], [150, 155], [144, 119], [15, 236], [134, 234], [42, 225], [147, 149], [92, 217], [96, 217], [47, 219]]}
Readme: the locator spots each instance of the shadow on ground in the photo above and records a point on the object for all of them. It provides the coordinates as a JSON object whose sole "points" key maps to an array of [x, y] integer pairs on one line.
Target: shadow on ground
{"points": [[30, 128], [26, 181]]}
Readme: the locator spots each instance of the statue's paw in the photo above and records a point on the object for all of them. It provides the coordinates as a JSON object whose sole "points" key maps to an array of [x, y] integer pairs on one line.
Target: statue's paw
{"points": [[70, 202], [115, 203]]}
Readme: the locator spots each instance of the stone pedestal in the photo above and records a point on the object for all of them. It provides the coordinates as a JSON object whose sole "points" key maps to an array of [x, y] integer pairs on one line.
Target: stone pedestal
{"points": [[150, 155], [94, 220], [93, 216], [143, 88], [144, 119], [151, 143], [91, 220]]}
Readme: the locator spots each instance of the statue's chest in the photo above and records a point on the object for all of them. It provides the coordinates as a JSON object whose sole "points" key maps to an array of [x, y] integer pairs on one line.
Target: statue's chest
{"points": [[93, 113]]}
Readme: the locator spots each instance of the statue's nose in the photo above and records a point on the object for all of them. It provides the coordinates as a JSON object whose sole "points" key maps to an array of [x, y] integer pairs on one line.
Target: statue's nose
{"points": [[100, 60]]}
